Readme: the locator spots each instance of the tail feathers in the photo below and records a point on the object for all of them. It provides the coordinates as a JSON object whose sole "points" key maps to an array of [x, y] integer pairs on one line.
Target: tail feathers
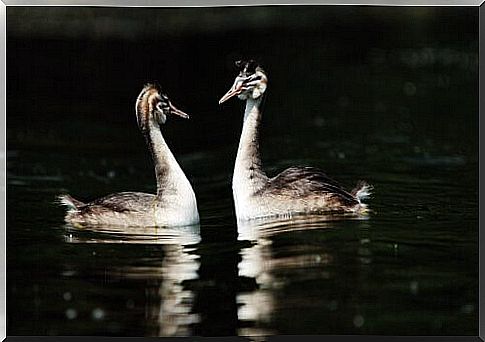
{"points": [[69, 202], [362, 191]]}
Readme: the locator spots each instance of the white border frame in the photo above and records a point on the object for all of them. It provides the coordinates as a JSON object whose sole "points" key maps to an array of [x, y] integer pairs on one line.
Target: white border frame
{"points": [[221, 3], [185, 3]]}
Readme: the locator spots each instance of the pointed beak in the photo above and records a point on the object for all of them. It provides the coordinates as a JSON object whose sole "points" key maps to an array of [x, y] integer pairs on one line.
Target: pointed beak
{"points": [[236, 89], [175, 110]]}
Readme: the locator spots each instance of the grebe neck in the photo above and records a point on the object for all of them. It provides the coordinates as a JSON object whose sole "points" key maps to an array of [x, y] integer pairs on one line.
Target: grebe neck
{"points": [[168, 173], [249, 176]]}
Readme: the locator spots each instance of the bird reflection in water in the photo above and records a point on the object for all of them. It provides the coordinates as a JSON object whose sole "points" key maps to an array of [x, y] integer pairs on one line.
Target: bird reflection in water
{"points": [[168, 305], [271, 266]]}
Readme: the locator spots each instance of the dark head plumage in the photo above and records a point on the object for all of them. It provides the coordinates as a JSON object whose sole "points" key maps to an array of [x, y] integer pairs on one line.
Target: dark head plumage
{"points": [[154, 103], [153, 85], [247, 68], [251, 81]]}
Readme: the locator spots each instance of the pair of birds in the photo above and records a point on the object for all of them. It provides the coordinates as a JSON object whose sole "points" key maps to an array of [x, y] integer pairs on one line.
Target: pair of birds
{"points": [[295, 191]]}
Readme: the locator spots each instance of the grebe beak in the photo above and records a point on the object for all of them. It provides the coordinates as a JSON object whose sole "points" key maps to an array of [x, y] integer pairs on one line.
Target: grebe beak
{"points": [[175, 110], [236, 89]]}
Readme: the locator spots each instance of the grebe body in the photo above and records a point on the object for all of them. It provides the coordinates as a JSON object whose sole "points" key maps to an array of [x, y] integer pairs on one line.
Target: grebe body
{"points": [[174, 204], [295, 191]]}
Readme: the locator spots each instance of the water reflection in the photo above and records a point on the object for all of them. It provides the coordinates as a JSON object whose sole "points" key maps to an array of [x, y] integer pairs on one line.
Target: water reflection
{"points": [[185, 235], [256, 230], [168, 304], [273, 268]]}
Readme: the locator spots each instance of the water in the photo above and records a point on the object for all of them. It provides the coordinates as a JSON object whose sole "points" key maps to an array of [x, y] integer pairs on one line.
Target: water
{"points": [[399, 111]]}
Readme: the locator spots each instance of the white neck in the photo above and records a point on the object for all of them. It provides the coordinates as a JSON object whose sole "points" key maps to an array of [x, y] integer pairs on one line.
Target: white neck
{"points": [[171, 180], [249, 176]]}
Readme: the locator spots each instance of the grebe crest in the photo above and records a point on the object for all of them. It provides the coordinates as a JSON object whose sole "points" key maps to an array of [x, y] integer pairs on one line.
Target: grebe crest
{"points": [[250, 83]]}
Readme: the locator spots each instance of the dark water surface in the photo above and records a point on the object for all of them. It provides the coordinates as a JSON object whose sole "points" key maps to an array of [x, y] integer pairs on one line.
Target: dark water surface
{"points": [[386, 95]]}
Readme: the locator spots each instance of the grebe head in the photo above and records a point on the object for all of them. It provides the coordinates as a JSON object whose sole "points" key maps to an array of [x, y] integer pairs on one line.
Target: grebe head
{"points": [[153, 104], [250, 83]]}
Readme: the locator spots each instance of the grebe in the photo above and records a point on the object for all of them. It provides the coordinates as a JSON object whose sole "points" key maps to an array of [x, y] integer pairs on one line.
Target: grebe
{"points": [[295, 191], [173, 205]]}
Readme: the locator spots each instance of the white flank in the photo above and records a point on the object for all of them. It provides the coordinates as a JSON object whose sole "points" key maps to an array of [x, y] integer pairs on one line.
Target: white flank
{"points": [[364, 192], [66, 201]]}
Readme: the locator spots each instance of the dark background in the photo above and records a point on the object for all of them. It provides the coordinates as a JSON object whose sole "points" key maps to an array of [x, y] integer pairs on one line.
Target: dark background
{"points": [[66, 65], [385, 94]]}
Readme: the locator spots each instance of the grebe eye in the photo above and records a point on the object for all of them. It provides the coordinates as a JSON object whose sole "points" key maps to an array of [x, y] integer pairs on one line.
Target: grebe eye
{"points": [[162, 106]]}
